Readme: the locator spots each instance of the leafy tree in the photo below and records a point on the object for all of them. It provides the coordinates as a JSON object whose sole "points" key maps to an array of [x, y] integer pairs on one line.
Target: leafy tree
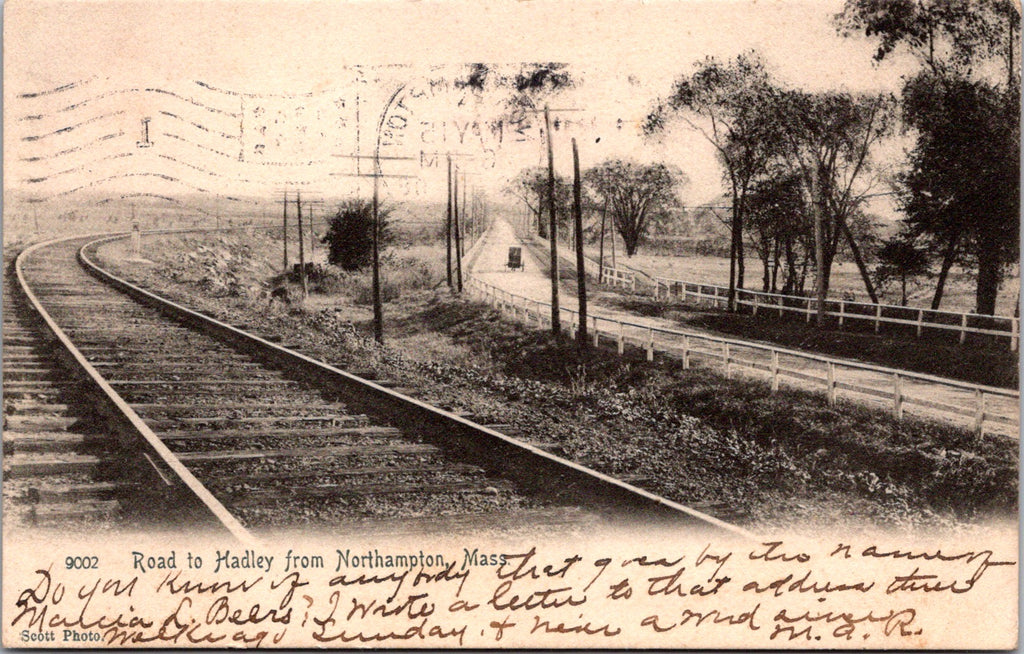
{"points": [[531, 187], [901, 257], [635, 194], [963, 185], [725, 102], [949, 37], [828, 137], [780, 227], [349, 237]]}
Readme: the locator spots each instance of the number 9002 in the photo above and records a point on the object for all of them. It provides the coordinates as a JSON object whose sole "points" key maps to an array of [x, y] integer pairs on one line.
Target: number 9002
{"points": [[81, 562]]}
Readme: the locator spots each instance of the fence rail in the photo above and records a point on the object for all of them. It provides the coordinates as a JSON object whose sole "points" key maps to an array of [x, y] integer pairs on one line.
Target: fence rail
{"points": [[973, 405], [616, 277], [845, 311]]}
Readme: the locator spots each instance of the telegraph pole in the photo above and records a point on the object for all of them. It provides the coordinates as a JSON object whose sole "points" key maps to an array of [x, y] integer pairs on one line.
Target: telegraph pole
{"points": [[458, 236], [465, 217], [581, 275], [312, 234], [556, 327], [302, 246], [284, 229], [448, 226], [378, 307]]}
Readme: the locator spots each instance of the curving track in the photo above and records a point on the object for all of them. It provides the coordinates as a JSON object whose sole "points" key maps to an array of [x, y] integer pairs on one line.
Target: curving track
{"points": [[256, 437]]}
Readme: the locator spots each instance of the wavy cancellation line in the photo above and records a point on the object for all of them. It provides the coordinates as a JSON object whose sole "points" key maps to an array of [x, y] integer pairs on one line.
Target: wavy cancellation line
{"points": [[246, 94], [163, 176], [59, 89], [206, 148], [85, 166], [206, 171], [107, 94], [199, 145], [77, 148], [200, 126], [156, 196], [104, 180], [71, 128]]}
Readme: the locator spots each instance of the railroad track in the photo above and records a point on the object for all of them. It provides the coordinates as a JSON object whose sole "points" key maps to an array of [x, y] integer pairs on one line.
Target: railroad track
{"points": [[62, 467], [255, 437]]}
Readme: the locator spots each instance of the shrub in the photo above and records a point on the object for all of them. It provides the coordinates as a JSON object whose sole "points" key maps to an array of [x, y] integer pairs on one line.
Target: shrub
{"points": [[349, 238]]}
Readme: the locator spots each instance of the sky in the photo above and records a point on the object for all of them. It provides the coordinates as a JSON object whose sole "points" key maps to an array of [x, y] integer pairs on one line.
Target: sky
{"points": [[249, 96]]}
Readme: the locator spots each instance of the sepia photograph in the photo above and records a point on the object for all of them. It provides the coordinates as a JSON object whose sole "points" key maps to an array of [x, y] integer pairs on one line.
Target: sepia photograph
{"points": [[679, 324]]}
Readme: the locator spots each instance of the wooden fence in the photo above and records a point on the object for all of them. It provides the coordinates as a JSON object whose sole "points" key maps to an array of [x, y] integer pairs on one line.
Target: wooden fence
{"points": [[971, 405], [847, 311], [616, 277]]}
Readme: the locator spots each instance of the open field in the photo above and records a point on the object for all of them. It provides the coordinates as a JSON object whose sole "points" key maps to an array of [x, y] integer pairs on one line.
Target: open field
{"points": [[958, 295]]}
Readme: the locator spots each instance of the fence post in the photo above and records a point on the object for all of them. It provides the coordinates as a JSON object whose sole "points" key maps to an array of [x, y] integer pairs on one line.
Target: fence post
{"points": [[650, 344], [621, 343], [897, 396], [686, 352], [597, 334], [831, 381], [725, 355], [878, 317], [775, 370], [782, 302], [1015, 334], [755, 304], [634, 282], [963, 328], [808, 302], [842, 313], [920, 320], [979, 413]]}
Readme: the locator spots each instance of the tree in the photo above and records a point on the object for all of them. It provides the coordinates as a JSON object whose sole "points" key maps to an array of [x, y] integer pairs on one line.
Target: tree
{"points": [[828, 137], [635, 194], [963, 186], [531, 187], [779, 226], [725, 103], [901, 257], [349, 237], [949, 37]]}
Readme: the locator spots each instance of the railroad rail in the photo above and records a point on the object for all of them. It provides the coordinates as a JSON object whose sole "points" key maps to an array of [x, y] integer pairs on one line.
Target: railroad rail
{"points": [[255, 436], [57, 456]]}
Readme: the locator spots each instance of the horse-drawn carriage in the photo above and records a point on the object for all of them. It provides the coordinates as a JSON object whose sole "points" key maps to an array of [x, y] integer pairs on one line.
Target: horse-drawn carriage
{"points": [[515, 259]]}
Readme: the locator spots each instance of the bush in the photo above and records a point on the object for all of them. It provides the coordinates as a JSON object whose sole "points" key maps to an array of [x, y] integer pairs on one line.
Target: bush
{"points": [[349, 238]]}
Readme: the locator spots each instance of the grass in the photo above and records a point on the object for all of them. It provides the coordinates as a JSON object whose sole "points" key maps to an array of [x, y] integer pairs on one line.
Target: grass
{"points": [[778, 460], [981, 360]]}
